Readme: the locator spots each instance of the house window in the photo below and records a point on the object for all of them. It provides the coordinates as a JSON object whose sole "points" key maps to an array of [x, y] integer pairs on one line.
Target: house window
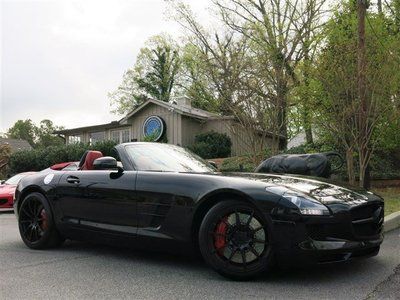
{"points": [[125, 135], [121, 136], [97, 137], [115, 136], [73, 139]]}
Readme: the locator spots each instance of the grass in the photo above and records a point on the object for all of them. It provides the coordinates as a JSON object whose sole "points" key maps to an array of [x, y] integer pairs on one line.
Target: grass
{"points": [[391, 195]]}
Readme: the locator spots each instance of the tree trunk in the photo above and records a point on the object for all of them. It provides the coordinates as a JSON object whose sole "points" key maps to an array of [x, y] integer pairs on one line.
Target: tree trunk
{"points": [[306, 101], [379, 4], [350, 166], [307, 126], [362, 139]]}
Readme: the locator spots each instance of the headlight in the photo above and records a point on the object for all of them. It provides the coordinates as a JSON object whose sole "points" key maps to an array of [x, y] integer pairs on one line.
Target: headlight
{"points": [[307, 206]]}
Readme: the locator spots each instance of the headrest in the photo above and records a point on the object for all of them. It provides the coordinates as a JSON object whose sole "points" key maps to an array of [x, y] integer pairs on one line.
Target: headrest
{"points": [[90, 157]]}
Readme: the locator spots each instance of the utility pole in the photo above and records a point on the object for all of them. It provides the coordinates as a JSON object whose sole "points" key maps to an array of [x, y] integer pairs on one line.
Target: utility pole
{"points": [[361, 84]]}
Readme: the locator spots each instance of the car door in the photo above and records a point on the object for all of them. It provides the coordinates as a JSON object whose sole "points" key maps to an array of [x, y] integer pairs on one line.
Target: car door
{"points": [[155, 198], [99, 199], [165, 200]]}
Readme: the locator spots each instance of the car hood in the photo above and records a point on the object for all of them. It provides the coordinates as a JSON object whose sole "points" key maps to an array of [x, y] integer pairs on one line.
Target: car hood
{"points": [[324, 191], [7, 189]]}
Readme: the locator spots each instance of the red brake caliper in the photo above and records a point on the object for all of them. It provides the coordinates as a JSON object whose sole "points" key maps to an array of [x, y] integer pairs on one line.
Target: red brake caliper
{"points": [[220, 235], [44, 224]]}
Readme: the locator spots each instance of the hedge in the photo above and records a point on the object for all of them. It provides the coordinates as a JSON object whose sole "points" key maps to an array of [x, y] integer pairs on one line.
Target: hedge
{"points": [[212, 145], [42, 158]]}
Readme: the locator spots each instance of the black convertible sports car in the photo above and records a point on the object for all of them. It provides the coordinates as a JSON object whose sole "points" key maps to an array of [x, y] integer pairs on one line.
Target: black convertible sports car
{"points": [[159, 195]]}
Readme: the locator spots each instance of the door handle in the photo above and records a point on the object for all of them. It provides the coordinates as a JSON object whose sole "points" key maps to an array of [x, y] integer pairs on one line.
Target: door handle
{"points": [[72, 179]]}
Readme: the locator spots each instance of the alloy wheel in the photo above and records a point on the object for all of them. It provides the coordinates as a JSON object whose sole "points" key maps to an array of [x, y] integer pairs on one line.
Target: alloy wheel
{"points": [[239, 238], [33, 220]]}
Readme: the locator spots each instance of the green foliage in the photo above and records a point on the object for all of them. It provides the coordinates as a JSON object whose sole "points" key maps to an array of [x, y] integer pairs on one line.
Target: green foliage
{"points": [[153, 76], [44, 134], [314, 148], [42, 158], [238, 164], [199, 87], [152, 137], [245, 163], [36, 136], [212, 145], [24, 130]]}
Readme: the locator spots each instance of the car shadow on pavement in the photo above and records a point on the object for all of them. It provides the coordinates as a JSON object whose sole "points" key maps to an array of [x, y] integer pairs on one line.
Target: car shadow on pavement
{"points": [[194, 265]]}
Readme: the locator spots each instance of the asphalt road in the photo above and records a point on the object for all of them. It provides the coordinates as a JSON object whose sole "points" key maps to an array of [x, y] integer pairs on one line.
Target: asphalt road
{"points": [[86, 271]]}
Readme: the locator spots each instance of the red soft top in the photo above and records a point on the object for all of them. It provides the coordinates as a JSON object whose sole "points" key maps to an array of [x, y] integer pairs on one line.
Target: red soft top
{"points": [[61, 166]]}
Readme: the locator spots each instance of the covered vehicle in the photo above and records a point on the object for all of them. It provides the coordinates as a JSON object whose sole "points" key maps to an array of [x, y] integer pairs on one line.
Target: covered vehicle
{"points": [[164, 196], [314, 164], [7, 189]]}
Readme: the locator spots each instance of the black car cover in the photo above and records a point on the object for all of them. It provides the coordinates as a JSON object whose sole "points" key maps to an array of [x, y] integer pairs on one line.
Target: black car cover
{"points": [[316, 164]]}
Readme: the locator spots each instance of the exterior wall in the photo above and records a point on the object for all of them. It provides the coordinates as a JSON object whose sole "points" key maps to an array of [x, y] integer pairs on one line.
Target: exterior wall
{"points": [[190, 128], [173, 122], [241, 139]]}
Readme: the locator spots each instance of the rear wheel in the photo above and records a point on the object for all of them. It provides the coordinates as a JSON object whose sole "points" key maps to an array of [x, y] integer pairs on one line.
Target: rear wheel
{"points": [[36, 223], [234, 240]]}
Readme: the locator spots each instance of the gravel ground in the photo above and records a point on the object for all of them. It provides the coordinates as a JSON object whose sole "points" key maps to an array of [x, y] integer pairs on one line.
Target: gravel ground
{"points": [[86, 271]]}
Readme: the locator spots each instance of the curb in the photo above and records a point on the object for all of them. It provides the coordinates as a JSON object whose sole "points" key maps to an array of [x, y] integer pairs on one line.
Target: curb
{"points": [[392, 222]]}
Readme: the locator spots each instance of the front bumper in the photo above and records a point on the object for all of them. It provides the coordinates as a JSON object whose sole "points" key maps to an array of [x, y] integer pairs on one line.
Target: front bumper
{"points": [[322, 252], [6, 201], [344, 235]]}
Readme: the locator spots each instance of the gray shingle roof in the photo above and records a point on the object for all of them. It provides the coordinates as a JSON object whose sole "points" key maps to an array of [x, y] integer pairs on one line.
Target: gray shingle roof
{"points": [[15, 144]]}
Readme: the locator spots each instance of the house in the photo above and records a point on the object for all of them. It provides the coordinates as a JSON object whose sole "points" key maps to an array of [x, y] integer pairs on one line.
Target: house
{"points": [[176, 123], [15, 144]]}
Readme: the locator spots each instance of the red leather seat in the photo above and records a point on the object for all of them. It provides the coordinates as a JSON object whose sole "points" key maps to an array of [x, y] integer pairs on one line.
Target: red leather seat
{"points": [[90, 158]]}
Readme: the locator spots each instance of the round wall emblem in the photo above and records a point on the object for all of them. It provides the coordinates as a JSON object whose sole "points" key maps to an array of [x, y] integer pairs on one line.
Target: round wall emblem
{"points": [[153, 127]]}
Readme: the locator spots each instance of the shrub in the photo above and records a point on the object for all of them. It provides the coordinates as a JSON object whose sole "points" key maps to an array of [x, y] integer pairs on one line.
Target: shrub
{"points": [[238, 164], [212, 145], [42, 158]]}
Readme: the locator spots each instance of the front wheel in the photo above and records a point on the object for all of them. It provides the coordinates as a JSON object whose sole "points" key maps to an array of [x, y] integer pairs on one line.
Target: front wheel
{"points": [[36, 223], [235, 240]]}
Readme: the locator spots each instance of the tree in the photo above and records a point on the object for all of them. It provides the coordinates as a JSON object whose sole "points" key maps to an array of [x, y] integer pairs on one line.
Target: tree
{"points": [[24, 130], [348, 113], [153, 76], [45, 136], [228, 79], [5, 154], [282, 32], [37, 136]]}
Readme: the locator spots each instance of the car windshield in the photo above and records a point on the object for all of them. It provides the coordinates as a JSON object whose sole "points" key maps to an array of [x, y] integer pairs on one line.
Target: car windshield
{"points": [[15, 179], [166, 158]]}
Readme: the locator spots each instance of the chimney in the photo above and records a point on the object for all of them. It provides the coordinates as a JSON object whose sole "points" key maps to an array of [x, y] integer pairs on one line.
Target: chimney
{"points": [[183, 101]]}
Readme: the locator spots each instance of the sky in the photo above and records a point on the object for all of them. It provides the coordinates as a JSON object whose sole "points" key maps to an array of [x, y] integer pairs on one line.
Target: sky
{"points": [[59, 59]]}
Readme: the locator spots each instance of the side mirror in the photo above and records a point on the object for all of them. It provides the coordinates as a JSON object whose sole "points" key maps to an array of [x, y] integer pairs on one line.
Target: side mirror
{"points": [[2, 181], [105, 163], [213, 164]]}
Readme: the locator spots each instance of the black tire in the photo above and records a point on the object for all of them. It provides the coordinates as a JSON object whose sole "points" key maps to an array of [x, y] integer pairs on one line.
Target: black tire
{"points": [[36, 223], [239, 251]]}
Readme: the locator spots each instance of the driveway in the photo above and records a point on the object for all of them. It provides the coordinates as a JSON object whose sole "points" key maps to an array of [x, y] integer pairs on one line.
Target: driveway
{"points": [[82, 270]]}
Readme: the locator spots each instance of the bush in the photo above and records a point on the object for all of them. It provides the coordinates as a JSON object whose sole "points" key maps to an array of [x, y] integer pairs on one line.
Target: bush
{"points": [[212, 145], [39, 159], [238, 164]]}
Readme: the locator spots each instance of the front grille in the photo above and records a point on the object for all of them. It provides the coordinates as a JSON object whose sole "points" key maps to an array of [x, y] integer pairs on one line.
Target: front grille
{"points": [[3, 201], [367, 219], [322, 232]]}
